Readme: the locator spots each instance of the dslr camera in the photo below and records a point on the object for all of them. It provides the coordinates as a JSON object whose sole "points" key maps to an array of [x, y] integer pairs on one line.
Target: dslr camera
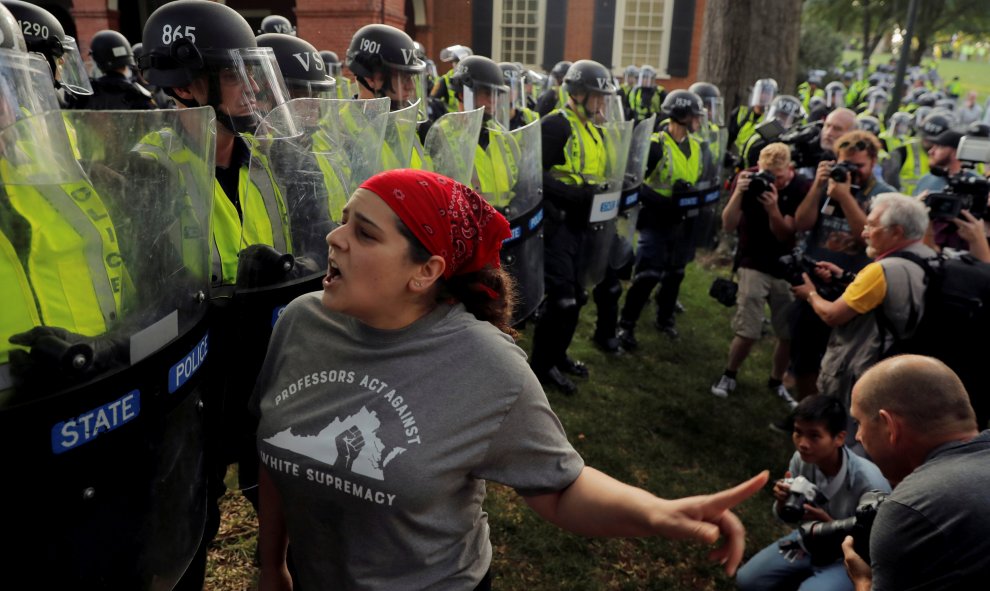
{"points": [[822, 540], [802, 491], [965, 190], [759, 183], [804, 142], [840, 171], [797, 263]]}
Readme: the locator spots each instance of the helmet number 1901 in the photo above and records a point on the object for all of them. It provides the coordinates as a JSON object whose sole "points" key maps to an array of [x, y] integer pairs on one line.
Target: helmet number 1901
{"points": [[370, 46], [170, 34]]}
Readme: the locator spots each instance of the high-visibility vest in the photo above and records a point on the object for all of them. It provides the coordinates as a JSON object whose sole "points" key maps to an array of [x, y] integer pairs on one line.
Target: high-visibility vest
{"points": [[914, 167], [20, 313], [584, 153], [640, 109], [495, 168], [674, 165], [746, 120]]}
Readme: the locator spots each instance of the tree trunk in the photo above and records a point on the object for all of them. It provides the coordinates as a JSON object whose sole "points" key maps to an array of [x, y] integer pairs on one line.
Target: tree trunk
{"points": [[867, 25], [735, 55]]}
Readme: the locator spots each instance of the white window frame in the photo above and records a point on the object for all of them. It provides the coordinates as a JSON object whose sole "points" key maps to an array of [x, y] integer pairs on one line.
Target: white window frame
{"points": [[663, 58], [541, 20]]}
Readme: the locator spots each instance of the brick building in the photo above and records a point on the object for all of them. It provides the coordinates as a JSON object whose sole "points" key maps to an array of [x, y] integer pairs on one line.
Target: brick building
{"points": [[663, 33]]}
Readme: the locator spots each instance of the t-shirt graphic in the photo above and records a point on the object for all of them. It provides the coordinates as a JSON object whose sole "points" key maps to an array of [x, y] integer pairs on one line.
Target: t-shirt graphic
{"points": [[349, 444]]}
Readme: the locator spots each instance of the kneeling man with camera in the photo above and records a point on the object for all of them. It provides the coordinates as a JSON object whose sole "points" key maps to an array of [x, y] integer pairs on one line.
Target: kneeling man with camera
{"points": [[916, 422], [823, 482]]}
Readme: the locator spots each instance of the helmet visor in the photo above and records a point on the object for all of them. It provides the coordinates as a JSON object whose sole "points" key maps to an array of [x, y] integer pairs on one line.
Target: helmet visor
{"points": [[494, 99], [877, 104], [610, 111], [787, 115], [763, 94], [405, 88], [25, 87], [835, 98], [245, 84], [326, 89], [71, 70], [517, 89], [715, 108], [647, 78]]}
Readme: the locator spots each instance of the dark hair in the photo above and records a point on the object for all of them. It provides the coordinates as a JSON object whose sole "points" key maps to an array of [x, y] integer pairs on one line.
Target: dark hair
{"points": [[470, 288], [821, 408]]}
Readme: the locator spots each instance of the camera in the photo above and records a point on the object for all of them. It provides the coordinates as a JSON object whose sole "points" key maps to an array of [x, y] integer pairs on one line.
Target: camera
{"points": [[822, 540], [795, 264], [806, 151], [840, 171], [965, 190], [802, 491], [724, 291], [759, 183]]}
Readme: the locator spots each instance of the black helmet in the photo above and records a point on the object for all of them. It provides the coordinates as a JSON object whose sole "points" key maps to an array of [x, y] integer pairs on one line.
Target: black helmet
{"points": [[946, 103], [868, 123], [705, 90], [588, 76], [111, 50], [978, 129], [680, 105], [44, 34], [632, 71], [935, 124], [275, 23], [835, 94], [302, 67], [176, 54], [712, 99], [332, 62], [138, 50], [786, 109], [512, 70], [560, 69], [377, 47], [476, 71], [420, 50], [927, 99], [900, 123], [11, 36], [647, 76]]}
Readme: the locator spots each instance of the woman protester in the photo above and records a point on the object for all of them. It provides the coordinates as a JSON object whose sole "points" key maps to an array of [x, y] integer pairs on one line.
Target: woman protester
{"points": [[388, 399]]}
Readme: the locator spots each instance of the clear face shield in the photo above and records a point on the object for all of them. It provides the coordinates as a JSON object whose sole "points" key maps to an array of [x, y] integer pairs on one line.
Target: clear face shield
{"points": [[605, 108], [404, 88], [835, 98], [71, 70], [877, 104], [326, 89], [647, 78], [786, 117], [243, 86], [25, 87], [495, 101], [517, 90], [763, 94], [901, 127], [715, 110]]}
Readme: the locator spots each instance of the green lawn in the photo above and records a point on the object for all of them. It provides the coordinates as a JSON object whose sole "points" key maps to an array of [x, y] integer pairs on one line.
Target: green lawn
{"points": [[974, 75], [646, 418]]}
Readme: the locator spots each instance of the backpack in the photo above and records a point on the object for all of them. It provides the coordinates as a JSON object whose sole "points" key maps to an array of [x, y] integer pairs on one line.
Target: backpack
{"points": [[955, 324]]}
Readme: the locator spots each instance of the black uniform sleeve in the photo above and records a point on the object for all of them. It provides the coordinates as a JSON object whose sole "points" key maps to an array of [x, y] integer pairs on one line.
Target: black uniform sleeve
{"points": [[547, 102], [440, 89]]}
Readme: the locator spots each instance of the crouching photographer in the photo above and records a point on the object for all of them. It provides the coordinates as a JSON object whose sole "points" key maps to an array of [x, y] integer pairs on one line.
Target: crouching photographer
{"points": [[916, 422], [824, 482], [761, 209]]}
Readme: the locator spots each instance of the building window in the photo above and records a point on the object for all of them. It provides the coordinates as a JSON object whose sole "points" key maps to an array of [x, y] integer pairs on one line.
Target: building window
{"points": [[642, 33], [518, 34]]}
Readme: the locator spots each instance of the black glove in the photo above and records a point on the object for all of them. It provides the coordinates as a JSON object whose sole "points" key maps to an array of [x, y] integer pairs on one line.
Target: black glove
{"points": [[54, 349]]}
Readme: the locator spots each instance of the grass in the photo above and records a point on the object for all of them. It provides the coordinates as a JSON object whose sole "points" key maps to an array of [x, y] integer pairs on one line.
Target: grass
{"points": [[646, 418], [974, 75]]}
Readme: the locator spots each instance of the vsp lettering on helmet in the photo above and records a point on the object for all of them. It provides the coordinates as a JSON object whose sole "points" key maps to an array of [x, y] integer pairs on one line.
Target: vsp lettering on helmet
{"points": [[384, 62], [275, 23], [302, 68]]}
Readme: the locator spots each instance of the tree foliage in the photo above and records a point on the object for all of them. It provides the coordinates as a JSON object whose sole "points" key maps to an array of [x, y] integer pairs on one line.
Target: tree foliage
{"points": [[821, 47]]}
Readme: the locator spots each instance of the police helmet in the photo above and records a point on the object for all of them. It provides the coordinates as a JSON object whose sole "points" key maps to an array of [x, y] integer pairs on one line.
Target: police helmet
{"points": [[919, 115], [182, 38], [420, 50], [876, 99], [712, 98], [869, 123], [935, 124], [900, 123], [477, 71], [11, 35], [631, 71], [835, 94], [978, 129], [379, 47], [946, 103], [303, 69], [647, 76], [138, 50], [815, 103], [111, 50], [586, 76], [511, 71], [764, 90], [786, 109], [559, 70], [927, 99], [455, 53], [915, 94], [275, 23], [44, 34], [332, 62], [681, 105]]}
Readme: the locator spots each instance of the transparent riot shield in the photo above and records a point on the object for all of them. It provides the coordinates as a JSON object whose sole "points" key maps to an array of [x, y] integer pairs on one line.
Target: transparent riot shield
{"points": [[639, 152], [100, 400], [703, 202], [450, 144], [509, 174], [597, 241], [401, 140]]}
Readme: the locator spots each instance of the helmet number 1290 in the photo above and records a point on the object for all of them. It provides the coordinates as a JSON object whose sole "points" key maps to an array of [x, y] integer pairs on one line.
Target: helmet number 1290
{"points": [[169, 34]]}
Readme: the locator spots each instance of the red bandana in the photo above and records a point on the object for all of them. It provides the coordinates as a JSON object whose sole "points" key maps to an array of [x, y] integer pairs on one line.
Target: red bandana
{"points": [[451, 220]]}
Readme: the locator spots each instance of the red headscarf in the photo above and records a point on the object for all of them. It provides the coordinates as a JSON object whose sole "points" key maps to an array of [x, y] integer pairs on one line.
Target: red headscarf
{"points": [[450, 219]]}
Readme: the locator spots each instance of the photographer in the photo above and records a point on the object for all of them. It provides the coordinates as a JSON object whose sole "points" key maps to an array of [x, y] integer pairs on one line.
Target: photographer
{"points": [[891, 286], [917, 424], [834, 215], [823, 482], [761, 210]]}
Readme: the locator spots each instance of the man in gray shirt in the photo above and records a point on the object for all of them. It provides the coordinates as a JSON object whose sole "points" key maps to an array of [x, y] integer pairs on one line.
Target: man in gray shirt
{"points": [[917, 424]]}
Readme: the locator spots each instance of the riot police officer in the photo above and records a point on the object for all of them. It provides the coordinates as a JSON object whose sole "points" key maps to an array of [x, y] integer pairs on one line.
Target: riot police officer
{"points": [[115, 89], [646, 98], [442, 90], [574, 158], [275, 23], [666, 227], [745, 118], [303, 69], [384, 63], [344, 87], [552, 98], [785, 110], [45, 35]]}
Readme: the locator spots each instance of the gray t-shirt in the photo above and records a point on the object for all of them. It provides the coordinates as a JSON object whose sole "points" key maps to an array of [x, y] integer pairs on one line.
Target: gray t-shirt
{"points": [[380, 443], [931, 533]]}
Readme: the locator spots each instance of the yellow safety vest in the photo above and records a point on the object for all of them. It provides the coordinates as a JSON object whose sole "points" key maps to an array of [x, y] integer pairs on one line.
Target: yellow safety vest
{"points": [[747, 121], [674, 165], [584, 153], [20, 313], [640, 110], [336, 192], [495, 168], [914, 167]]}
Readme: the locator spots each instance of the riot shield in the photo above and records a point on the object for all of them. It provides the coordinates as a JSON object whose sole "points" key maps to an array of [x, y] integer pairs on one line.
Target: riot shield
{"points": [[451, 141], [100, 402], [597, 241], [514, 185], [400, 139], [639, 152], [352, 132]]}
